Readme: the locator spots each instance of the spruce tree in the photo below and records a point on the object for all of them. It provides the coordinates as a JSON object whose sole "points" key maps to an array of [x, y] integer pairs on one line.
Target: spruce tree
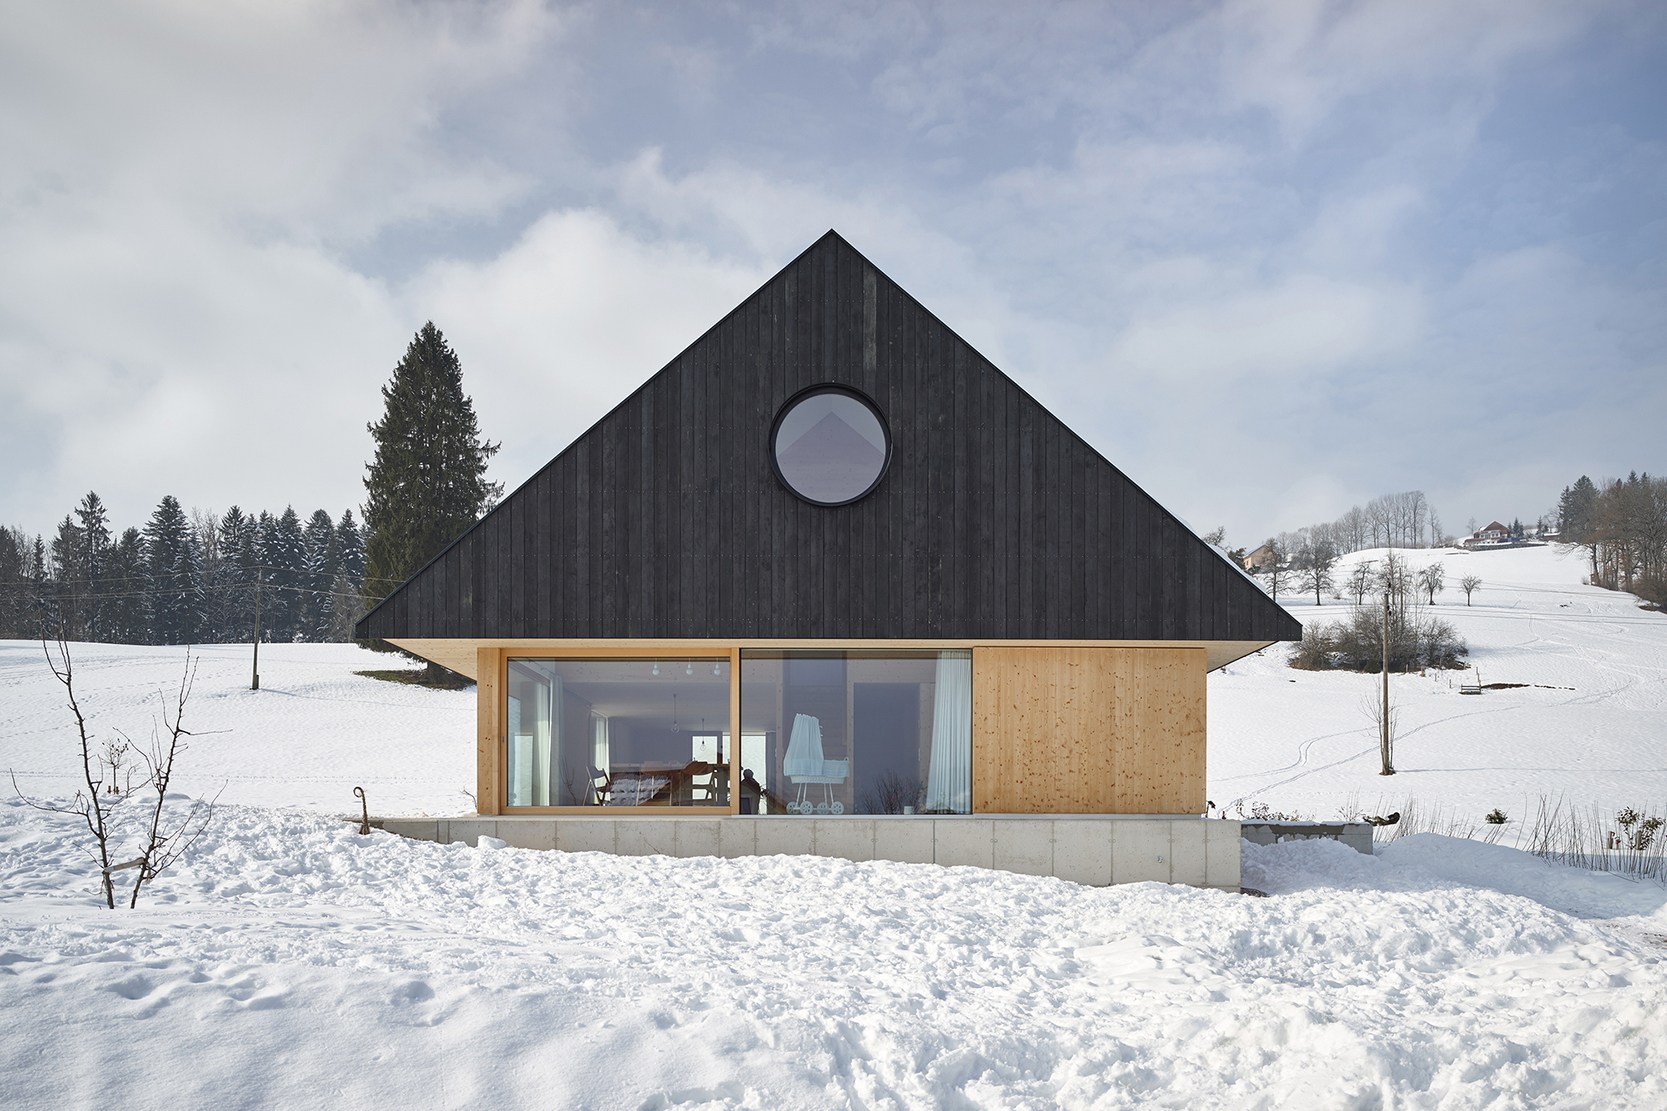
{"points": [[70, 585], [283, 565], [176, 603], [125, 613], [427, 481], [319, 559], [13, 583], [91, 563]]}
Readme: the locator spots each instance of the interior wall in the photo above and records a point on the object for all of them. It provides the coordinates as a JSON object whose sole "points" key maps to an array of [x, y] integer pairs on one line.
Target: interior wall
{"points": [[1088, 730]]}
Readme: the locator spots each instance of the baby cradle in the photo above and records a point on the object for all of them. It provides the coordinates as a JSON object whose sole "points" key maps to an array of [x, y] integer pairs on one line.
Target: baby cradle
{"points": [[806, 767]]}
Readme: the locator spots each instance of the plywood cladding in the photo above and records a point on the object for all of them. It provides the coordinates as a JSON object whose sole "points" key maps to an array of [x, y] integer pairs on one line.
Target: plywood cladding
{"points": [[488, 737], [1088, 730]]}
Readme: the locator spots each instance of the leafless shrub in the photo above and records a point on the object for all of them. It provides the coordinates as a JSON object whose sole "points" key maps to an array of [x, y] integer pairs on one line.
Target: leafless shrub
{"points": [[160, 838], [1625, 843]]}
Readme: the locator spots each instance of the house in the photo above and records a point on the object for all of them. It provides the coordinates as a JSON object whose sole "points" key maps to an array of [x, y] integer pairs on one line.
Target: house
{"points": [[1494, 533], [1261, 559], [832, 582]]}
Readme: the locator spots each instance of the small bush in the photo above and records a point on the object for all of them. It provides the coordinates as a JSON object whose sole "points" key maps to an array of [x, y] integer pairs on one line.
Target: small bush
{"points": [[1496, 817], [1314, 651]]}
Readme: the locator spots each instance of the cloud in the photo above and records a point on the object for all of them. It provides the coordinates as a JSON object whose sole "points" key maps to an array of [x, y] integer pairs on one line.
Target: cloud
{"points": [[559, 328], [1300, 326], [180, 184]]}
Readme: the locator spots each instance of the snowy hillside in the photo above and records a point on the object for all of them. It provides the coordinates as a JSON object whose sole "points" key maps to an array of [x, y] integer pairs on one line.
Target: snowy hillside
{"points": [[1589, 725]]}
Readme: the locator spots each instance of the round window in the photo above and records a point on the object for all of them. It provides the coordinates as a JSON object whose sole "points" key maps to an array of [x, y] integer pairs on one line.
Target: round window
{"points": [[830, 445]]}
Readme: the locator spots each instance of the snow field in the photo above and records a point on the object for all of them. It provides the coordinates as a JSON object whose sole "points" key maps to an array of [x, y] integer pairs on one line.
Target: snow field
{"points": [[310, 734], [1590, 729], [292, 961]]}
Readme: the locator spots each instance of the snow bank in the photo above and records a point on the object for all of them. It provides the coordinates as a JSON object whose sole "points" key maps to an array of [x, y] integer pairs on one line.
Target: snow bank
{"points": [[293, 962]]}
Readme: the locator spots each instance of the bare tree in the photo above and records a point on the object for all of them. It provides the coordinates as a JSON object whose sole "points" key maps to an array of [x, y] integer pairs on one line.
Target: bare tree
{"points": [[1277, 569], [1361, 578], [1469, 584], [1386, 722], [1431, 579], [164, 842], [1313, 564], [100, 803]]}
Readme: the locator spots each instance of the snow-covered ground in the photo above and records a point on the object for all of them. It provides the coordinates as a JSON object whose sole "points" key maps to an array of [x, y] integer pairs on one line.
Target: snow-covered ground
{"points": [[1590, 727], [293, 963], [290, 962], [311, 733]]}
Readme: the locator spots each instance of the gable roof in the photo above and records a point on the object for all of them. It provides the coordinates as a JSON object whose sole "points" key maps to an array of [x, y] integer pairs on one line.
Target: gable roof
{"points": [[666, 520]]}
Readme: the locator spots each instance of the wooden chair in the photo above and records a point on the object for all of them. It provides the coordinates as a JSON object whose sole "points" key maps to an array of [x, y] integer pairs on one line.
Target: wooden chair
{"points": [[703, 783], [602, 784]]}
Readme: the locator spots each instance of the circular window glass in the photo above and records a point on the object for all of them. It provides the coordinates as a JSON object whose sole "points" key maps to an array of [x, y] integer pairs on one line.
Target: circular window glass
{"points": [[830, 445]]}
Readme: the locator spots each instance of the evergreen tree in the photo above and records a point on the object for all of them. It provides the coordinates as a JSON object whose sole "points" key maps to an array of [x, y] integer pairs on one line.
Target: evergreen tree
{"points": [[176, 601], [14, 583], [237, 548], [319, 560], [1577, 517], [283, 564], [350, 544], [91, 561], [38, 620], [126, 615], [345, 602], [427, 481], [69, 586]]}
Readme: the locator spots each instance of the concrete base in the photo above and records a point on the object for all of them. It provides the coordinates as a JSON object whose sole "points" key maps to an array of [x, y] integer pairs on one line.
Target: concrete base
{"points": [[1356, 835], [1084, 848]]}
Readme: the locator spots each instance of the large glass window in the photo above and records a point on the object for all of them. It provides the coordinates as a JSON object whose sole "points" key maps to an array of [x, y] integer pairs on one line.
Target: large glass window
{"points": [[829, 732], [617, 732]]}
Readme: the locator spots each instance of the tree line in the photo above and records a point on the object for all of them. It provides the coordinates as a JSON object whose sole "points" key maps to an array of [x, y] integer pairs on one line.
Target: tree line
{"points": [[1622, 525], [1404, 520], [184, 578], [193, 578]]}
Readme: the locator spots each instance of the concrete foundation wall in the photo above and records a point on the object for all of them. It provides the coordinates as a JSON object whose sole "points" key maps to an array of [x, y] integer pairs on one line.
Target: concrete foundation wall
{"points": [[1356, 835], [1088, 849]]}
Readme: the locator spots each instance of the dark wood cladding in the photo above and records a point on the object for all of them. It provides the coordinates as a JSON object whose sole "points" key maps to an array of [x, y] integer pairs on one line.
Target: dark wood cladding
{"points": [[994, 520]]}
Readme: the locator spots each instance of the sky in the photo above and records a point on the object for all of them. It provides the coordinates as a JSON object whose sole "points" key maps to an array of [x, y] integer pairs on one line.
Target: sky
{"points": [[1270, 258]]}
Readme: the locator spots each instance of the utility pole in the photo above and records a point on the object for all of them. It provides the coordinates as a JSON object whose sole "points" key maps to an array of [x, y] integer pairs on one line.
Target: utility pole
{"points": [[254, 679], [1383, 708]]}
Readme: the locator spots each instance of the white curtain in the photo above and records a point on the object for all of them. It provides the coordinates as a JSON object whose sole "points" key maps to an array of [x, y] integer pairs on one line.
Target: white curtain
{"points": [[949, 778], [520, 758], [599, 755], [547, 746]]}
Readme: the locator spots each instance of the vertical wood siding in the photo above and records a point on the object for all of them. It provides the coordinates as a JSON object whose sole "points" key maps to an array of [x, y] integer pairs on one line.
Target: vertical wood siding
{"points": [[994, 520], [1088, 730]]}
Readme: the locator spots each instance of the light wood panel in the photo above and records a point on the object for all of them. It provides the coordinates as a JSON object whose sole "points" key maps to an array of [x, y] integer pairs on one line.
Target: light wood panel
{"points": [[1088, 730], [460, 655], [488, 744]]}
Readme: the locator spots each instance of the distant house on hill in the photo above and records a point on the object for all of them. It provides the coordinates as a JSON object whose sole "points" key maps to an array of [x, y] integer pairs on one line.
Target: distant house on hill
{"points": [[1261, 559], [1494, 535], [832, 583]]}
